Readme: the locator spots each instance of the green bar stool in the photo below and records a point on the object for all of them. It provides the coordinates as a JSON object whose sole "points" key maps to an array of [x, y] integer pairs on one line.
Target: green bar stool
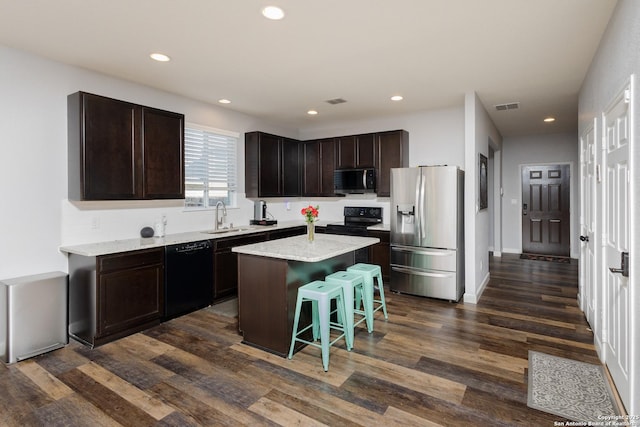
{"points": [[320, 294], [369, 272], [350, 283]]}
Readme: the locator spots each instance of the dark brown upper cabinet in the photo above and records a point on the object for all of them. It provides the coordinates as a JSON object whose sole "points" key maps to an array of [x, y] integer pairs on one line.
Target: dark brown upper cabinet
{"points": [[356, 151], [317, 167], [392, 151], [272, 165], [123, 151]]}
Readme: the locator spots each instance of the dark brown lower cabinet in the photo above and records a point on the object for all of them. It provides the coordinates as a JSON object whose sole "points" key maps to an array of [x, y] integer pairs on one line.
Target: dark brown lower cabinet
{"points": [[225, 274], [379, 253], [112, 296], [225, 281]]}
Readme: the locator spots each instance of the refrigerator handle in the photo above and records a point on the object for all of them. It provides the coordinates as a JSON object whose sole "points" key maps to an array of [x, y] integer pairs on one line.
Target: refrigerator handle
{"points": [[422, 232], [418, 208]]}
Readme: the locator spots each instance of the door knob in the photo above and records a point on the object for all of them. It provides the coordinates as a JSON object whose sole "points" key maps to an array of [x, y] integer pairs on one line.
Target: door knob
{"points": [[584, 238], [624, 265]]}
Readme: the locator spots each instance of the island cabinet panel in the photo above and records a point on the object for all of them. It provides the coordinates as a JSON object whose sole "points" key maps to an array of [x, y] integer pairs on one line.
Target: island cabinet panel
{"points": [[123, 151], [267, 292], [392, 151], [272, 165], [111, 296], [225, 262]]}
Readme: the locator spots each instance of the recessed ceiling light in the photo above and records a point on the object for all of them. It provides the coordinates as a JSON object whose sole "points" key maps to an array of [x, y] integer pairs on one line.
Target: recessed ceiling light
{"points": [[273, 12], [396, 98], [224, 101], [550, 119], [160, 57], [312, 112]]}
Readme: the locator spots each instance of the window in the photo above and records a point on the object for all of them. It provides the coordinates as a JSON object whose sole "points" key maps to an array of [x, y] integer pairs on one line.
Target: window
{"points": [[209, 166]]}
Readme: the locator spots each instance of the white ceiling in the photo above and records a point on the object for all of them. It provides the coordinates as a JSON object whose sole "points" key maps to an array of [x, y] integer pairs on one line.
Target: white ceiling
{"points": [[432, 52]]}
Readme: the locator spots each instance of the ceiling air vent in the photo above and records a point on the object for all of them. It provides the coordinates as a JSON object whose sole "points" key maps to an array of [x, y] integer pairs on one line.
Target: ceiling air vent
{"points": [[336, 101], [509, 106]]}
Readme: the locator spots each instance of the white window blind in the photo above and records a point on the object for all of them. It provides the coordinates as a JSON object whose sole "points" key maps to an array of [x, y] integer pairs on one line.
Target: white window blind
{"points": [[210, 166]]}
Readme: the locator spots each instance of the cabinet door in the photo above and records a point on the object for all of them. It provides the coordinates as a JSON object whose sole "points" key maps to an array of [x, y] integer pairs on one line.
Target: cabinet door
{"points": [[346, 152], [393, 152], [290, 174], [163, 147], [311, 168], [328, 165], [365, 151], [269, 165], [357, 151], [380, 252], [129, 298], [108, 148], [225, 274]]}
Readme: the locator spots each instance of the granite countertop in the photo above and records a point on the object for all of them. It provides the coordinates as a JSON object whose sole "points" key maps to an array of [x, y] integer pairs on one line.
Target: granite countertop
{"points": [[125, 245], [298, 248]]}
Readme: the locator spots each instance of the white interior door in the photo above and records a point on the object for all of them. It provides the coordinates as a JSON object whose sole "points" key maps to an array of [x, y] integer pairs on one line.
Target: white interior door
{"points": [[616, 128], [588, 288]]}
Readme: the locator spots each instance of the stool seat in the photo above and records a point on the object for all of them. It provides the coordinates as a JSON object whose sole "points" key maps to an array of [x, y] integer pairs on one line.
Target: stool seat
{"points": [[320, 294], [350, 283], [371, 273]]}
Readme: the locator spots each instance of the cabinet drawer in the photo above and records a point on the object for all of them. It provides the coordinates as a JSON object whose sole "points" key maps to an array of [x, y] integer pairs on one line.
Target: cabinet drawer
{"points": [[287, 232], [130, 259], [228, 243], [424, 258]]}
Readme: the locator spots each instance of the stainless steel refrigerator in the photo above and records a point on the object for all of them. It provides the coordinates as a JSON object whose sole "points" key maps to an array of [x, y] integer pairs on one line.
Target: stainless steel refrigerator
{"points": [[427, 231]]}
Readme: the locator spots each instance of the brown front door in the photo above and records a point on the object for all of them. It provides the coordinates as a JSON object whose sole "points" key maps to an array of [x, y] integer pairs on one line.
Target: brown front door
{"points": [[545, 210]]}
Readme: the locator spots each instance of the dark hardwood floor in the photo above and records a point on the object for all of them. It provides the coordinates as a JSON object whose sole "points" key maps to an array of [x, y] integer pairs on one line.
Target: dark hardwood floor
{"points": [[432, 363]]}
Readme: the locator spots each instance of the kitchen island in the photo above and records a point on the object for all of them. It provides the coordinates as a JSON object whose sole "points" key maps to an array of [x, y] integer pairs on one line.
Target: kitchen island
{"points": [[269, 275]]}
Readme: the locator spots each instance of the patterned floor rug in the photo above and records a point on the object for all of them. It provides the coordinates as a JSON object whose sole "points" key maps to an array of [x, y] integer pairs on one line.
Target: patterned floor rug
{"points": [[551, 258], [574, 390]]}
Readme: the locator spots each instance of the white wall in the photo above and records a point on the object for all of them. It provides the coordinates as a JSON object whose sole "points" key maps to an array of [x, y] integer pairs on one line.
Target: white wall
{"points": [[479, 131], [537, 149], [616, 59], [436, 137], [36, 217]]}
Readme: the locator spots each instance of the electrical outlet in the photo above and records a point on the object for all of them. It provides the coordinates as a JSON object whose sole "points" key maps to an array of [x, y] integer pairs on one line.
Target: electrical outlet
{"points": [[95, 223]]}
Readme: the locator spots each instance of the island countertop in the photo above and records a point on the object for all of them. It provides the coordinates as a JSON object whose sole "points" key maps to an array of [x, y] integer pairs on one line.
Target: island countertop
{"points": [[298, 248]]}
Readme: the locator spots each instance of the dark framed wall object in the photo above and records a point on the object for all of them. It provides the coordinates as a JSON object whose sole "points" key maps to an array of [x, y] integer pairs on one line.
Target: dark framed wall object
{"points": [[483, 182]]}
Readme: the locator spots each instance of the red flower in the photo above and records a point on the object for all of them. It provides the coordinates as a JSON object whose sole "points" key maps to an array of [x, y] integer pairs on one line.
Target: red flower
{"points": [[310, 213]]}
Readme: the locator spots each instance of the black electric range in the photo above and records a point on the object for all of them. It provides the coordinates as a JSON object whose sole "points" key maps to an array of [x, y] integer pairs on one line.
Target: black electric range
{"points": [[356, 221]]}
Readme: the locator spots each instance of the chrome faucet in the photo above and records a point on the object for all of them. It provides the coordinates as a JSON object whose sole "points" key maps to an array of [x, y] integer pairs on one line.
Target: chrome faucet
{"points": [[220, 221]]}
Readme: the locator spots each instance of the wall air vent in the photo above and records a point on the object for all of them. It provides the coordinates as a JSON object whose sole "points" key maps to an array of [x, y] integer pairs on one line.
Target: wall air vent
{"points": [[336, 101], [509, 106]]}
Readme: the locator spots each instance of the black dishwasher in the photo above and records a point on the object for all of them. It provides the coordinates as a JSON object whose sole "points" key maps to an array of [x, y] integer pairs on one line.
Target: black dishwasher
{"points": [[188, 280]]}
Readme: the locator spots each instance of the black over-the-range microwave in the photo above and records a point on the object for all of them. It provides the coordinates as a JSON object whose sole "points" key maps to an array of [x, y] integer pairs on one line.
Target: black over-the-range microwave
{"points": [[354, 181]]}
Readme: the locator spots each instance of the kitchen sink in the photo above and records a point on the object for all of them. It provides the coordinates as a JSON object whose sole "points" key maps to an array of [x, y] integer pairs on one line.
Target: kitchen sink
{"points": [[229, 230]]}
